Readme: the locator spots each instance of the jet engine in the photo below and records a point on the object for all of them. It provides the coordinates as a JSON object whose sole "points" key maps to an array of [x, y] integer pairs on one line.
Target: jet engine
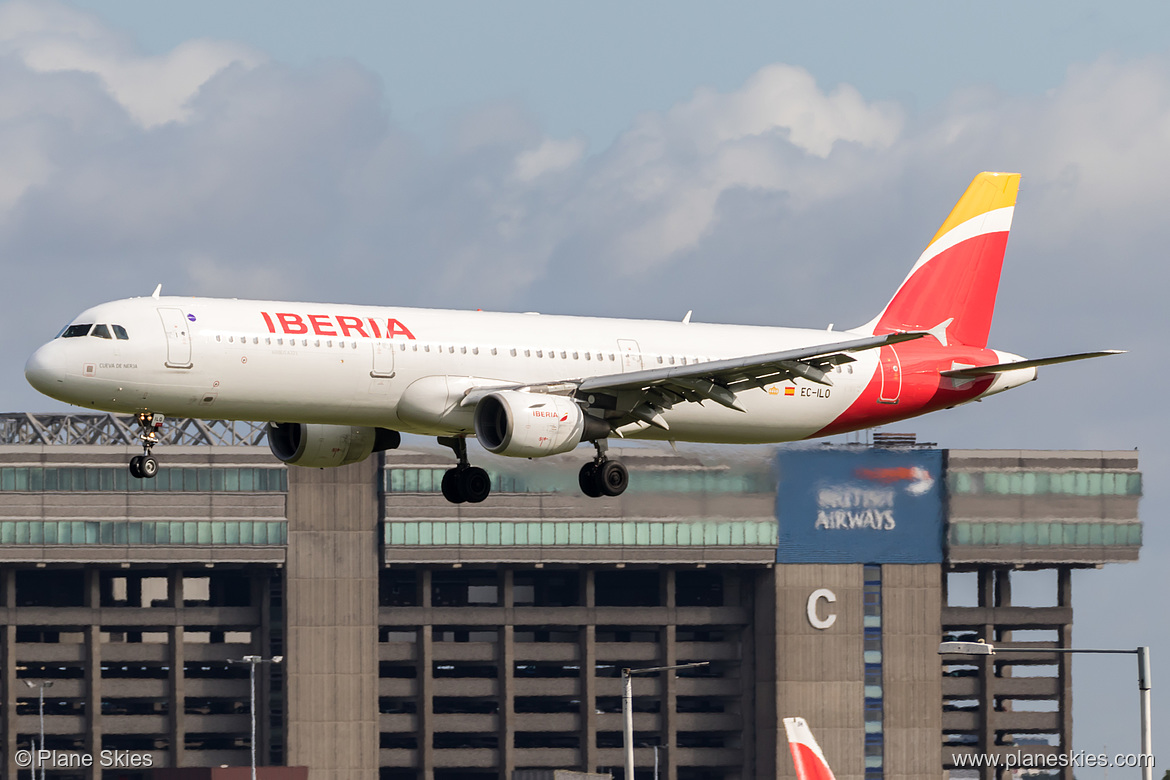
{"points": [[326, 446], [532, 425]]}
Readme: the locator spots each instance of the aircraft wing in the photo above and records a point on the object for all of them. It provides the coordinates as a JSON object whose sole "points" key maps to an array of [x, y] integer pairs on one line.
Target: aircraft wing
{"points": [[642, 395], [975, 372]]}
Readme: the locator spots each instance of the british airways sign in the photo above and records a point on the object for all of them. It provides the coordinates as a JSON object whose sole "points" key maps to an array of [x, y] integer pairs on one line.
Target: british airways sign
{"points": [[859, 506]]}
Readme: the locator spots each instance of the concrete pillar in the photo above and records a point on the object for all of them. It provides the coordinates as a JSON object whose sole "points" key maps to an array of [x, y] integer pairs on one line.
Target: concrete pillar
{"points": [[426, 684], [332, 626], [177, 722], [506, 686]]}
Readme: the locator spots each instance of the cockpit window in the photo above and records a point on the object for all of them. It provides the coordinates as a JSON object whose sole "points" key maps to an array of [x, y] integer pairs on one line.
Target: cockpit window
{"points": [[120, 332], [101, 331], [73, 331]]}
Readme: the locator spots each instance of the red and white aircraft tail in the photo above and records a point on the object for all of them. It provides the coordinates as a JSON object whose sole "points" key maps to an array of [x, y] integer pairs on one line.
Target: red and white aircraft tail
{"points": [[806, 753], [950, 292]]}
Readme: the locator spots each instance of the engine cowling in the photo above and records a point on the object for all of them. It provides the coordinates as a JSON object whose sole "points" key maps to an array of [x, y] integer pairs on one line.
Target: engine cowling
{"points": [[531, 425], [327, 446]]}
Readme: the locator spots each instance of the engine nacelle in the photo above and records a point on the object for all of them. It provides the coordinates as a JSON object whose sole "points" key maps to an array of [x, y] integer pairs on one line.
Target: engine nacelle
{"points": [[327, 446], [532, 425]]}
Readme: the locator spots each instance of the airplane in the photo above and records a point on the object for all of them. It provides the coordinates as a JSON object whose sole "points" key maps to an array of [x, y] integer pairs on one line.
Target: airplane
{"points": [[807, 757], [339, 382]]}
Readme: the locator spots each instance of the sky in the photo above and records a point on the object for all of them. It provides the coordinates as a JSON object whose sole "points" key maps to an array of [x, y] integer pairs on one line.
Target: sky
{"points": [[757, 163]]}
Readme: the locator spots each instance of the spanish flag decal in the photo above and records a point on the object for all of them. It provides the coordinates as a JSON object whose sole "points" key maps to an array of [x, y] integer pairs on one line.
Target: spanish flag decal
{"points": [[790, 391]]}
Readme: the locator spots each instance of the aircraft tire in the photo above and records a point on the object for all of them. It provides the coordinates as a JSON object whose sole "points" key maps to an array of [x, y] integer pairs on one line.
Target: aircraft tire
{"points": [[451, 487], [589, 481], [613, 477], [474, 484], [136, 467], [148, 467]]}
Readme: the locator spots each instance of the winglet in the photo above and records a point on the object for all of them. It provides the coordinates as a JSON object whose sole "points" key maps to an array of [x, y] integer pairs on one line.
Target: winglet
{"points": [[157, 291], [806, 753]]}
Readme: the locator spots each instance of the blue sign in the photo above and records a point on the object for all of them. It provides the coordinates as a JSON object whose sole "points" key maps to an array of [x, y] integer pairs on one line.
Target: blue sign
{"points": [[859, 506]]}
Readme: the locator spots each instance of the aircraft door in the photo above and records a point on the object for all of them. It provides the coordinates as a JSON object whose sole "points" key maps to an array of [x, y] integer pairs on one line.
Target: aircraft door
{"points": [[178, 333], [383, 359], [891, 372], [631, 355]]}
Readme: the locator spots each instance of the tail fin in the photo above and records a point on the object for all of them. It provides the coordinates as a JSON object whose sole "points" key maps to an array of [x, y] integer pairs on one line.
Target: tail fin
{"points": [[951, 290], [806, 753]]}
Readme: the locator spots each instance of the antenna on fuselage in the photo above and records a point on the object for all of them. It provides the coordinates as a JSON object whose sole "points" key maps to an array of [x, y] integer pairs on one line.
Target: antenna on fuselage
{"points": [[156, 292]]}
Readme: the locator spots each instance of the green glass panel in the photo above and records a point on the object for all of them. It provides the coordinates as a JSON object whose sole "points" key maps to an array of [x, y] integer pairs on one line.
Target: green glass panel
{"points": [[479, 533], [36, 532], [231, 479]]}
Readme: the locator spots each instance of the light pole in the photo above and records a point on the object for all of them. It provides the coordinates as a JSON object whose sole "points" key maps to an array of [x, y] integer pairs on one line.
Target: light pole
{"points": [[1143, 660], [252, 661], [41, 709], [628, 707]]}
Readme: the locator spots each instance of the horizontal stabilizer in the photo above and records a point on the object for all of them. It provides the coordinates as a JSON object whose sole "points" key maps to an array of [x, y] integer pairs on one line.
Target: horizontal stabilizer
{"points": [[977, 371]]}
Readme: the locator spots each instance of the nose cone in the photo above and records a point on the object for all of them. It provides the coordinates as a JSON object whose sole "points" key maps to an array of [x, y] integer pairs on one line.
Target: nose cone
{"points": [[42, 372]]}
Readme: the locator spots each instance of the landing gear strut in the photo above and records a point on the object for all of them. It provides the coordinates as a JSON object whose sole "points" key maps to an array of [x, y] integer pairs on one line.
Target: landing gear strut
{"points": [[464, 482], [145, 466], [602, 476]]}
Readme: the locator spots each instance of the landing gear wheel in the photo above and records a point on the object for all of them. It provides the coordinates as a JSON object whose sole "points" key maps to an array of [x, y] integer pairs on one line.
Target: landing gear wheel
{"points": [[612, 477], [136, 467], [587, 479], [148, 467], [451, 487], [474, 484]]}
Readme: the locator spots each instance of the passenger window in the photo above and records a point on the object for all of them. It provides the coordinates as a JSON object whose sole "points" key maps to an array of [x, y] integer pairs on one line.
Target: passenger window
{"points": [[101, 331], [73, 331], [121, 333]]}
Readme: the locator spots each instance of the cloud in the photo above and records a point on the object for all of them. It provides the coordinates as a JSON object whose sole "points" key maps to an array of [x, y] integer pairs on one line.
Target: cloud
{"points": [[52, 38]]}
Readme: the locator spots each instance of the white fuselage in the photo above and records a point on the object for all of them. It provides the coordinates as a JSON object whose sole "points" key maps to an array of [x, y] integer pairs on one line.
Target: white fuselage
{"points": [[395, 367]]}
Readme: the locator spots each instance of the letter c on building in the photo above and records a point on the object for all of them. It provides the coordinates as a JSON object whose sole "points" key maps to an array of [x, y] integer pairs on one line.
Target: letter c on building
{"points": [[811, 608]]}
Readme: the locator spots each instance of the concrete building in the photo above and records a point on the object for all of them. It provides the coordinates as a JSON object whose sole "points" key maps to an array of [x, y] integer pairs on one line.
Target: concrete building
{"points": [[425, 640]]}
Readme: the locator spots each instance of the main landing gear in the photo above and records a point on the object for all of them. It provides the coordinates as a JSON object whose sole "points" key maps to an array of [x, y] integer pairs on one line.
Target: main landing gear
{"points": [[145, 466], [602, 476], [464, 482]]}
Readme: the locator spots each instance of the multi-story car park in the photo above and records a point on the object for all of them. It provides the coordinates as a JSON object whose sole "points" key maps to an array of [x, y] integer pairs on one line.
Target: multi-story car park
{"points": [[425, 640]]}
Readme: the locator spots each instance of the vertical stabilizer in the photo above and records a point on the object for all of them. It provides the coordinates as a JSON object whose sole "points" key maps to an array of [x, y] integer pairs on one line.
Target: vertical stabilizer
{"points": [[806, 753], [957, 276]]}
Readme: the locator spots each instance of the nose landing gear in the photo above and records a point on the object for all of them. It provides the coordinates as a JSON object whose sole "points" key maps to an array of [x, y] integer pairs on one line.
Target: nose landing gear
{"points": [[464, 483], [602, 476], [145, 466]]}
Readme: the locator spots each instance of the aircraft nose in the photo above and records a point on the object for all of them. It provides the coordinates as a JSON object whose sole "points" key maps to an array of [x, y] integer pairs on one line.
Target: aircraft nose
{"points": [[42, 372]]}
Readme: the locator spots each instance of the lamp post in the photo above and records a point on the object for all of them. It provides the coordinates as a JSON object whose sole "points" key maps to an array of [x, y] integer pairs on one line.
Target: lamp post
{"points": [[41, 710], [252, 661], [628, 707], [1143, 661]]}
